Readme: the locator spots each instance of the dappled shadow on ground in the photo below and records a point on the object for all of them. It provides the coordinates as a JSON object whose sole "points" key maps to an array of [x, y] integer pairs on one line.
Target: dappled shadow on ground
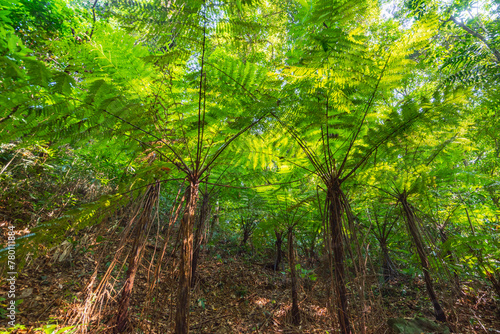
{"points": [[234, 295]]}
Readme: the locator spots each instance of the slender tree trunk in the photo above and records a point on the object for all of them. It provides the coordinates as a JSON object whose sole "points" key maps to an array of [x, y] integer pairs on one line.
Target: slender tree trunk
{"points": [[204, 212], [133, 263], [335, 210], [291, 260], [494, 281], [388, 267], [213, 223], [479, 256], [185, 270], [246, 235], [246, 228], [311, 250], [451, 259], [412, 226], [278, 243]]}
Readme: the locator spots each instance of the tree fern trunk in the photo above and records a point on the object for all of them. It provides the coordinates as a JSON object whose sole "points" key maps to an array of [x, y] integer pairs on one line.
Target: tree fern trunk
{"points": [[246, 235], [412, 226], [388, 268], [214, 222], [278, 243], [451, 259], [335, 211], [204, 212], [291, 259], [185, 270]]}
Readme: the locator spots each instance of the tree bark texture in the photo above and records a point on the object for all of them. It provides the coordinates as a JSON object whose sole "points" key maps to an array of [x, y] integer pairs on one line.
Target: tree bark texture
{"points": [[494, 282], [186, 258], [246, 236], [291, 260], [214, 222], [451, 259], [388, 268], [198, 239], [335, 211], [412, 226], [279, 241]]}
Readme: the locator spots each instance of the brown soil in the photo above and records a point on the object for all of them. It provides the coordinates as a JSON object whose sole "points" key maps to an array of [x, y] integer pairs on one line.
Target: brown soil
{"points": [[234, 295]]}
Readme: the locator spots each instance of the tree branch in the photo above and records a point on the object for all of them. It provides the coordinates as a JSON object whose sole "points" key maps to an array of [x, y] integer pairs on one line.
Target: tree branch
{"points": [[9, 115], [495, 52], [93, 15]]}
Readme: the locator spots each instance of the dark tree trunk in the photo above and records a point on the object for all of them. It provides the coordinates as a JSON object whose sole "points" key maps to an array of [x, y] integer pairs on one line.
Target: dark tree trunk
{"points": [[291, 260], [200, 225], [412, 226], [451, 259], [248, 225], [335, 211], [246, 236], [388, 268], [494, 282], [279, 241], [213, 223], [311, 249], [479, 255], [185, 270], [133, 262]]}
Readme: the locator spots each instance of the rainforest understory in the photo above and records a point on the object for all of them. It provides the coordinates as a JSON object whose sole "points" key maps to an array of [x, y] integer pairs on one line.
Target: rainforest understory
{"points": [[240, 166]]}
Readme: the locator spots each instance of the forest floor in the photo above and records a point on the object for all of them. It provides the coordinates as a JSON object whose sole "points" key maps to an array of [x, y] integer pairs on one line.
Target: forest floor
{"points": [[236, 295]]}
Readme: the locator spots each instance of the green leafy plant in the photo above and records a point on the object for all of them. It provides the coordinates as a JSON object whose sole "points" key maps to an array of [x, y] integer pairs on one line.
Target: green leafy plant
{"points": [[54, 329], [13, 329], [306, 273], [3, 310]]}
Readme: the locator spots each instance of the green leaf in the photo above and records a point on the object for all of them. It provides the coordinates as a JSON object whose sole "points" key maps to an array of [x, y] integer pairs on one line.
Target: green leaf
{"points": [[12, 70], [304, 4], [64, 83], [38, 73]]}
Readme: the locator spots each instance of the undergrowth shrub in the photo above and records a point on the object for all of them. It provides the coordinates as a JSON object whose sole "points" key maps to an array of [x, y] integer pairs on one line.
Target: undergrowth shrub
{"points": [[38, 182]]}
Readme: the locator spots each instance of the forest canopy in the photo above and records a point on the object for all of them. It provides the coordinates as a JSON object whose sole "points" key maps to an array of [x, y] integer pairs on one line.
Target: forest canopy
{"points": [[153, 136]]}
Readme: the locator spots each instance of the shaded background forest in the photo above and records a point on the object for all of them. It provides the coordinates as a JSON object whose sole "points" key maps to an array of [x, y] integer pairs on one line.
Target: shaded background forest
{"points": [[323, 165]]}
